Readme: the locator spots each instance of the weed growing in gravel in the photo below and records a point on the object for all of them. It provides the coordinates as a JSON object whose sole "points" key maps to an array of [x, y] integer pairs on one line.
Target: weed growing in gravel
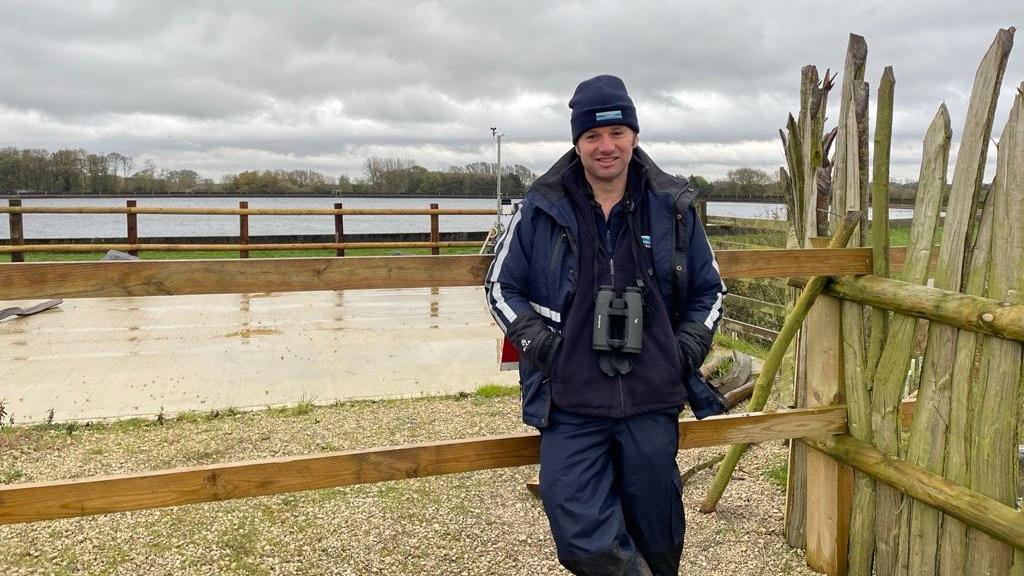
{"points": [[3, 411], [130, 424], [225, 413], [302, 407], [778, 474], [496, 391], [721, 369], [188, 416], [11, 475]]}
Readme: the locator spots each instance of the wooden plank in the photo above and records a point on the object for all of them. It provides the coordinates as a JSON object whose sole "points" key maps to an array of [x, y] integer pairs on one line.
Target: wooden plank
{"points": [[152, 278], [998, 520], [82, 497], [157, 278], [755, 427], [907, 412], [781, 263], [770, 263], [829, 484]]}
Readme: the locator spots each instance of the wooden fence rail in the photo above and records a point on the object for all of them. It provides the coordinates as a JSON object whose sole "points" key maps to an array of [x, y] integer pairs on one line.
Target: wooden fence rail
{"points": [[241, 246], [21, 503], [170, 277], [994, 518], [12, 209]]}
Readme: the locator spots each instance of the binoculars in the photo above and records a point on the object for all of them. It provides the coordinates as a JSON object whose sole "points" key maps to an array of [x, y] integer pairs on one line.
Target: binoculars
{"points": [[618, 320]]}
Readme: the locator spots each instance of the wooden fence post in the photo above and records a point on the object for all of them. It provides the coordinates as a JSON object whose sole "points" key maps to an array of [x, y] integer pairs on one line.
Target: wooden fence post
{"points": [[702, 211], [339, 229], [243, 229], [133, 227], [17, 230], [829, 483], [435, 235]]}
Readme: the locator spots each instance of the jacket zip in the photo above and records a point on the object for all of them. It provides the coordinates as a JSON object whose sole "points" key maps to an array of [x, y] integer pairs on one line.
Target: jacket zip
{"points": [[572, 271], [622, 398], [555, 253]]}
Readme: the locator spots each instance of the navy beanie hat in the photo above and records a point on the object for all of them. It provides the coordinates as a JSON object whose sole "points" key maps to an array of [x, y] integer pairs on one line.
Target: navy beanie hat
{"points": [[601, 101]]}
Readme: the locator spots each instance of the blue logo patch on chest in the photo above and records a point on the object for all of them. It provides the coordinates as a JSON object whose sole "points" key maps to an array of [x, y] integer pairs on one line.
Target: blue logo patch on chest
{"points": [[646, 241], [610, 115]]}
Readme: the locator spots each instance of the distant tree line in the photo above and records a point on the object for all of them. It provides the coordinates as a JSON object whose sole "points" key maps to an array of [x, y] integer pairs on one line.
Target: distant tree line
{"points": [[755, 184], [78, 172]]}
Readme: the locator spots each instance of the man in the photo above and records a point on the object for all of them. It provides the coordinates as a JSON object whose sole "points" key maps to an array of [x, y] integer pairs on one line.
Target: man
{"points": [[611, 293]]}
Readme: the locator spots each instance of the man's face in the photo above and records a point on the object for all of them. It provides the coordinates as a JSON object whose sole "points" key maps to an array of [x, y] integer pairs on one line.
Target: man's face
{"points": [[606, 151]]}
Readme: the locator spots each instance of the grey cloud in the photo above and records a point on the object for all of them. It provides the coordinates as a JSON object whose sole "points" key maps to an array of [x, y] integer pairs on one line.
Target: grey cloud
{"points": [[298, 83]]}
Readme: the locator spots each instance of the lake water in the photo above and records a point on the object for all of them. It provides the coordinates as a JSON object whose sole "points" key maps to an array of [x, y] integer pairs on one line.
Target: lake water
{"points": [[113, 225]]}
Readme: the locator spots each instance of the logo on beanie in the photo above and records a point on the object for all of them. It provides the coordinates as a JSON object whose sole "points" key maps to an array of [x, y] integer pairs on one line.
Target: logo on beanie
{"points": [[610, 115]]}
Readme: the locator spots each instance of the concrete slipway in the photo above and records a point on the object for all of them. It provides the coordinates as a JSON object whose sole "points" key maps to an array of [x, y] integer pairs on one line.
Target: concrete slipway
{"points": [[119, 357]]}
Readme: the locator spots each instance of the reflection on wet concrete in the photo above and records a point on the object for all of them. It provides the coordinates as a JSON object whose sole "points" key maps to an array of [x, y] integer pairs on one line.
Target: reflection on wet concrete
{"points": [[115, 357]]}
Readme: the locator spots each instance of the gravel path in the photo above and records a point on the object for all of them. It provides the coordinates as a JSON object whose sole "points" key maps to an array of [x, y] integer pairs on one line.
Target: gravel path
{"points": [[482, 523]]}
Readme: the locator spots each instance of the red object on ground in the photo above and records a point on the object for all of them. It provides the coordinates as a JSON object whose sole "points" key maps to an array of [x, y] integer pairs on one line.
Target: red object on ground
{"points": [[509, 356]]}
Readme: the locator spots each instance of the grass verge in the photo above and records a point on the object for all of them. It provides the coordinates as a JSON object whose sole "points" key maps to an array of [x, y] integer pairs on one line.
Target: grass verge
{"points": [[496, 391], [744, 346]]}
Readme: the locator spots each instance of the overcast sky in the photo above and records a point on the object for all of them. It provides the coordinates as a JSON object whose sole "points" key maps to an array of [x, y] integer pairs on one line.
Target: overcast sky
{"points": [[221, 87]]}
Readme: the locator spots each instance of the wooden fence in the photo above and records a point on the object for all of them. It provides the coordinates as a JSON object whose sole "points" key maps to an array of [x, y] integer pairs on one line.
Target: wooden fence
{"points": [[18, 247], [48, 500]]}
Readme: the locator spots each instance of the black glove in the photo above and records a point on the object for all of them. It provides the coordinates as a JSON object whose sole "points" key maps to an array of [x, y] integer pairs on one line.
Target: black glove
{"points": [[542, 348]]}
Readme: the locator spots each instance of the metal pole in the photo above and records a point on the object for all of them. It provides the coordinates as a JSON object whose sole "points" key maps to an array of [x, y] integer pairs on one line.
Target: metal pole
{"points": [[496, 230], [497, 138]]}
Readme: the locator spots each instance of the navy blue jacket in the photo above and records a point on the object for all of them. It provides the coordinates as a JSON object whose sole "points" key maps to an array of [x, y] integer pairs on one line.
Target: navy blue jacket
{"points": [[532, 281]]}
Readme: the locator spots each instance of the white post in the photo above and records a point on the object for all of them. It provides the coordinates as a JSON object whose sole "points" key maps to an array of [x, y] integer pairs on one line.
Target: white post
{"points": [[497, 137]]}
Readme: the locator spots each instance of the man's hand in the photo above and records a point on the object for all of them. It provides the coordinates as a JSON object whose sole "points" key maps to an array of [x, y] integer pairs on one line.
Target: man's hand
{"points": [[541, 349]]}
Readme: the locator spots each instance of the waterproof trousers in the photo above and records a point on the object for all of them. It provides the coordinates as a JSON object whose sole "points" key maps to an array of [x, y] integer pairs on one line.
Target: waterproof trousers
{"points": [[612, 494]]}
